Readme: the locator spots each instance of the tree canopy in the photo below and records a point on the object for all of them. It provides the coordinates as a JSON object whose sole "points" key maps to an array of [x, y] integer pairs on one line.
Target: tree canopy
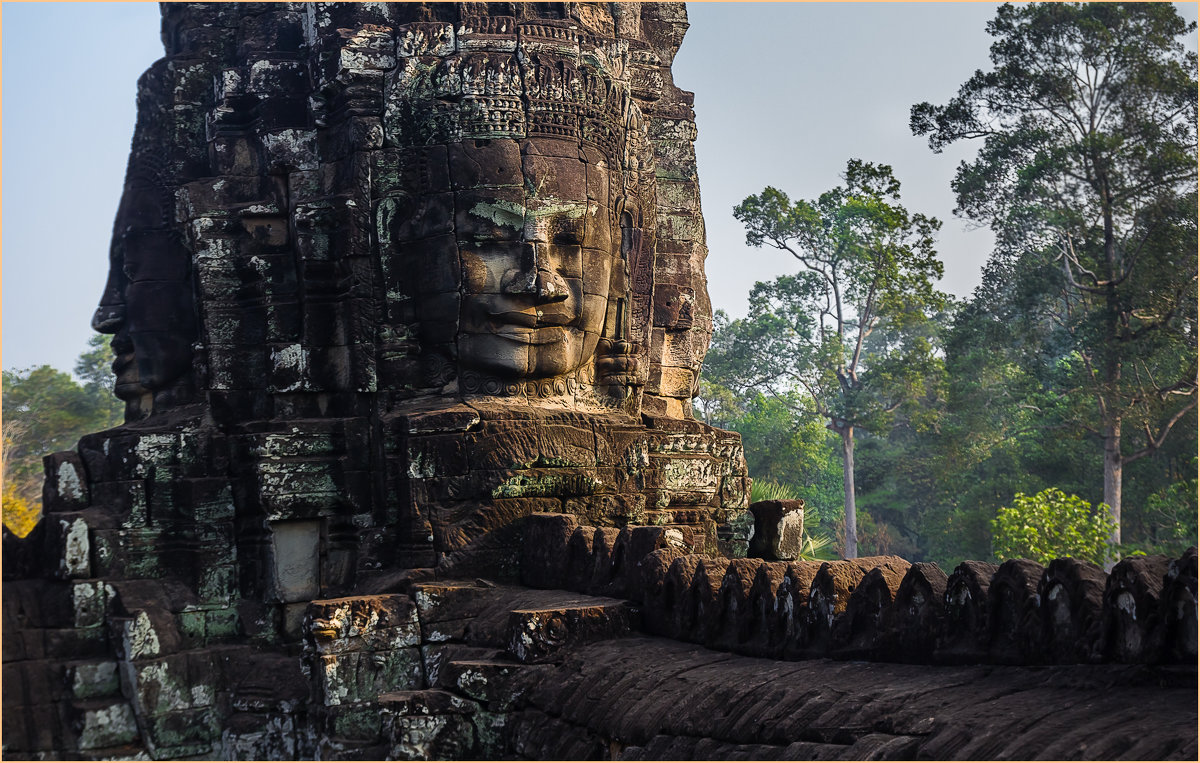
{"points": [[841, 329], [45, 410], [1071, 369], [1087, 174]]}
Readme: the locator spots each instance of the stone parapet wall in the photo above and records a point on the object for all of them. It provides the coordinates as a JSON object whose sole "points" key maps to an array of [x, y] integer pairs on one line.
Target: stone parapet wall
{"points": [[878, 608], [419, 667]]}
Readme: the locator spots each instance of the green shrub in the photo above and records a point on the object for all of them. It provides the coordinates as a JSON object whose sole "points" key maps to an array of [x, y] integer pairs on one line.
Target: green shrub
{"points": [[1052, 525]]}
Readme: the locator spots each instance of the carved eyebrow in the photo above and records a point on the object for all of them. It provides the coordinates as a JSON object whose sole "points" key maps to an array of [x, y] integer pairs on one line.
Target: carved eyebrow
{"points": [[570, 234]]}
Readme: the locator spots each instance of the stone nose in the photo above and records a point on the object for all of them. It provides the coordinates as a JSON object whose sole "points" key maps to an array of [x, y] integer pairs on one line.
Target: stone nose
{"points": [[108, 319], [535, 277], [536, 230]]}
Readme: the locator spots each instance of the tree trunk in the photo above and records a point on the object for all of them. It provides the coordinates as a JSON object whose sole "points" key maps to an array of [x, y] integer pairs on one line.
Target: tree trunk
{"points": [[1111, 354], [847, 433], [1112, 479]]}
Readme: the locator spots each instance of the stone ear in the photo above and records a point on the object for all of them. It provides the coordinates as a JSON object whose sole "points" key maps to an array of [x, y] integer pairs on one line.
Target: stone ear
{"points": [[626, 223], [626, 205]]}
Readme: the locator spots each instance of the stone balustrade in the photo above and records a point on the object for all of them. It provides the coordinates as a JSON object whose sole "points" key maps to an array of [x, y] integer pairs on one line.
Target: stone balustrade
{"points": [[877, 608]]}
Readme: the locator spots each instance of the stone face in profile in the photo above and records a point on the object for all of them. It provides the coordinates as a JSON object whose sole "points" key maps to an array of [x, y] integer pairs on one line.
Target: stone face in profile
{"points": [[148, 304]]}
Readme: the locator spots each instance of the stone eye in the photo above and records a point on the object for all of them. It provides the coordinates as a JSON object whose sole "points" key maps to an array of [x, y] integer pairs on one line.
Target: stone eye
{"points": [[568, 232]]}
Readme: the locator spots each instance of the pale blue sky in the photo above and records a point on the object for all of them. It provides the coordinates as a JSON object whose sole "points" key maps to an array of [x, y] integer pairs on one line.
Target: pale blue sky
{"points": [[785, 94]]}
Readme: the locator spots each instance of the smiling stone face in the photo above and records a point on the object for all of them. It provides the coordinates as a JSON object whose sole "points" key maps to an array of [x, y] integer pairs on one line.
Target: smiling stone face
{"points": [[504, 262], [479, 205], [506, 235], [537, 262]]}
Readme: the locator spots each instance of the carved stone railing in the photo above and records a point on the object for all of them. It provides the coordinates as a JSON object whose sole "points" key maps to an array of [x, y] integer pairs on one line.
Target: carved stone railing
{"points": [[879, 608]]}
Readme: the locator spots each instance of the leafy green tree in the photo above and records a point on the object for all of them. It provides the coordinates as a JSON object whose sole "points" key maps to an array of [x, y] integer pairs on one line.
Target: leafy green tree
{"points": [[45, 411], [784, 444], [94, 369], [1052, 525], [841, 328], [1170, 514], [1087, 174], [789, 453], [994, 436], [792, 449]]}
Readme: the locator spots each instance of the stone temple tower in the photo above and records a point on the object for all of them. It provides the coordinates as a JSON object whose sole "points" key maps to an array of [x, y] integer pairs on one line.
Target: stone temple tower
{"points": [[388, 279]]}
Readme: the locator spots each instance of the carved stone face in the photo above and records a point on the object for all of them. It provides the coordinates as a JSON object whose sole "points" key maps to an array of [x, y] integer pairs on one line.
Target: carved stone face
{"points": [[147, 304], [149, 356], [537, 259]]}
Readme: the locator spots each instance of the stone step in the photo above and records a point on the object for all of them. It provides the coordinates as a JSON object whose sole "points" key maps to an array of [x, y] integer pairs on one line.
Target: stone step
{"points": [[424, 702], [43, 681], [75, 643], [543, 634], [485, 681], [480, 613], [90, 679], [104, 723], [448, 608], [429, 724], [120, 752], [436, 656]]}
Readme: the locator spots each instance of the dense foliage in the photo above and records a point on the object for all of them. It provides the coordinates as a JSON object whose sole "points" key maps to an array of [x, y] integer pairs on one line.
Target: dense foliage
{"points": [[1051, 525], [1087, 174], [1073, 365], [45, 410]]}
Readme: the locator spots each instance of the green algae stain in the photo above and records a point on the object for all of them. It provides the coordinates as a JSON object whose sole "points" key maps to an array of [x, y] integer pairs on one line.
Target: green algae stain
{"points": [[503, 213], [546, 486]]}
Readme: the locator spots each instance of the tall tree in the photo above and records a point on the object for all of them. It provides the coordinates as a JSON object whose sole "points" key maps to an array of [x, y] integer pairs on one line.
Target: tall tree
{"points": [[840, 327], [1087, 174], [788, 449]]}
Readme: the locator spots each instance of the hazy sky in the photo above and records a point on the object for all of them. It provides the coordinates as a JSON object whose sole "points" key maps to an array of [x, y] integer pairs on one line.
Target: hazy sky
{"points": [[785, 94]]}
